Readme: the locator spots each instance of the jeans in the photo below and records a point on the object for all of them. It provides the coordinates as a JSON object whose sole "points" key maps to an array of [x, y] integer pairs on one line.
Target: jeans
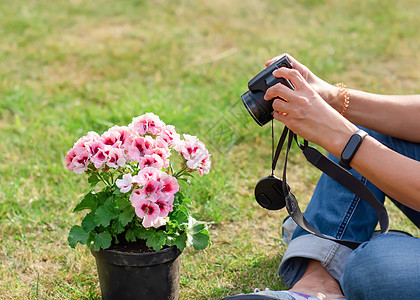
{"points": [[337, 212]]}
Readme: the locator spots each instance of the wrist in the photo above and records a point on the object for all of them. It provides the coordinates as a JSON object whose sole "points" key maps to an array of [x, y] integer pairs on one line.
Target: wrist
{"points": [[338, 140], [351, 148], [332, 96]]}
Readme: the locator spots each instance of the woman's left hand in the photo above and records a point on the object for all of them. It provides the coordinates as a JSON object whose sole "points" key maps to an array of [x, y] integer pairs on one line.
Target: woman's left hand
{"points": [[305, 113]]}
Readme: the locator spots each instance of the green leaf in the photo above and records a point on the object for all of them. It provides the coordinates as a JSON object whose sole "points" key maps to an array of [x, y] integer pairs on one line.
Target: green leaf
{"points": [[179, 241], [122, 202], [77, 235], [105, 213], [200, 240], [181, 215], [156, 240], [88, 202], [197, 227], [93, 179], [197, 233], [102, 217], [182, 199], [88, 222], [117, 228], [133, 233], [101, 241], [126, 216]]}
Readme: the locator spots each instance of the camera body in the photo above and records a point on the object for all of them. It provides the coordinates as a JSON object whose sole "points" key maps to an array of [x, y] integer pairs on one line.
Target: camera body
{"points": [[261, 110]]}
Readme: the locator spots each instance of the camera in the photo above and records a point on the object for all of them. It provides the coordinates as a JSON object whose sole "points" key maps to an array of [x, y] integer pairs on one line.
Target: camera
{"points": [[261, 110]]}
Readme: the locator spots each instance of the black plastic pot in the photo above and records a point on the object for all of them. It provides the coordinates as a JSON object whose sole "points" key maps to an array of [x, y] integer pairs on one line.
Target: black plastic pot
{"points": [[127, 275]]}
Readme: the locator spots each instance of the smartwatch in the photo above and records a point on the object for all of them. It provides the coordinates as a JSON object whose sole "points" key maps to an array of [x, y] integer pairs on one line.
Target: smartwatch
{"points": [[351, 148]]}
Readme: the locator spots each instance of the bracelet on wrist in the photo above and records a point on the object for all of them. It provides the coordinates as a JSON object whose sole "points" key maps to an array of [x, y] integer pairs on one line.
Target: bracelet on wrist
{"points": [[345, 91]]}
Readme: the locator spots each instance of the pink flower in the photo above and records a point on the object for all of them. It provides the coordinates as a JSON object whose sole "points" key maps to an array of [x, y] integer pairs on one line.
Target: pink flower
{"points": [[116, 158], [164, 206], [87, 139], [148, 123], [156, 223], [148, 191], [159, 221], [151, 188], [169, 184], [153, 160], [140, 147], [145, 175], [77, 159], [99, 154], [122, 136], [148, 211], [169, 135], [125, 184], [200, 160], [195, 153]]}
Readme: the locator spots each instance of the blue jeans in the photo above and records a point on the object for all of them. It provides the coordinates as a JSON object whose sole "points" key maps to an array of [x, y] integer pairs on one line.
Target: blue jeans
{"points": [[337, 212]]}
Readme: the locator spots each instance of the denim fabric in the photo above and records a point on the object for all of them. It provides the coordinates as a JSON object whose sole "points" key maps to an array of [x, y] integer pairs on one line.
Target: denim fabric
{"points": [[387, 267], [337, 212]]}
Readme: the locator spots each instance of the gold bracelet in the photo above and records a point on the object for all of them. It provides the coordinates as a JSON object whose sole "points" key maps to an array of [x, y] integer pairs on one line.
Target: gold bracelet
{"points": [[343, 89]]}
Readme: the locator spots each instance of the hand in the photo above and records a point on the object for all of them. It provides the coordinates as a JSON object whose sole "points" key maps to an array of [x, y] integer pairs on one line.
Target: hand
{"points": [[327, 91], [307, 114]]}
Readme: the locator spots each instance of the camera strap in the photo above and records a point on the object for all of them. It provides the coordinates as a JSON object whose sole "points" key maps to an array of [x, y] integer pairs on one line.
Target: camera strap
{"points": [[333, 170]]}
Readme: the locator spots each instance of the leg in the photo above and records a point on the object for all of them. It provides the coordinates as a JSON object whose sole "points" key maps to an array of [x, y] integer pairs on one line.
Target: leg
{"points": [[387, 267], [337, 212]]}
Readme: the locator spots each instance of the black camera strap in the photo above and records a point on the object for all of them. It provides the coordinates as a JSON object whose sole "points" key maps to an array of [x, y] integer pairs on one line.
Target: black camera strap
{"points": [[334, 171]]}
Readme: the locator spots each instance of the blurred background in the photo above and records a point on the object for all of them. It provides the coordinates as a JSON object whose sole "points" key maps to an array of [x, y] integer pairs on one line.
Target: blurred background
{"points": [[68, 67]]}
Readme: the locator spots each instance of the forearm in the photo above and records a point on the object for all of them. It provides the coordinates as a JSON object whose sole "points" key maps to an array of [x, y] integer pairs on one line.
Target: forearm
{"points": [[396, 175], [397, 116]]}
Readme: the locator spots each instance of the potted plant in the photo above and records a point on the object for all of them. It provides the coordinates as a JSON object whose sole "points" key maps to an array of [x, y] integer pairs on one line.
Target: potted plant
{"points": [[138, 221]]}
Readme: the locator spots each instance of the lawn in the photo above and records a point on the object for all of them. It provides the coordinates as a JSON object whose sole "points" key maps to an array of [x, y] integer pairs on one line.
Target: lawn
{"points": [[68, 67]]}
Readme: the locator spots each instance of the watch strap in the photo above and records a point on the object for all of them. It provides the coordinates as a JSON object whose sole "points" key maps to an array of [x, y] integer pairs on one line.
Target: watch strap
{"points": [[351, 148]]}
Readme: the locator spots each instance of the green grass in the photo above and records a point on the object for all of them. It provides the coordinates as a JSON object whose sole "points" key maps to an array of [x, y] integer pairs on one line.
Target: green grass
{"points": [[67, 67]]}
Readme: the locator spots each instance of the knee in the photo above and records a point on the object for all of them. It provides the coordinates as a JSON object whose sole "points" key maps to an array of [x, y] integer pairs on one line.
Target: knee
{"points": [[381, 269]]}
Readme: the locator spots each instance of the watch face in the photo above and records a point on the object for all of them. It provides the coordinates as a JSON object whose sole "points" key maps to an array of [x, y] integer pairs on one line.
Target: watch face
{"points": [[351, 147]]}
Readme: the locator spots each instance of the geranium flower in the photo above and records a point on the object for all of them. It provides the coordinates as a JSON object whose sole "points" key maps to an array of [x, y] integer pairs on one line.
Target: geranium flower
{"points": [[169, 135], [87, 139], [99, 156], [153, 160], [164, 206], [148, 211], [195, 154], [140, 147], [158, 222], [148, 123], [135, 160], [77, 159], [169, 184], [125, 184], [116, 158], [121, 135]]}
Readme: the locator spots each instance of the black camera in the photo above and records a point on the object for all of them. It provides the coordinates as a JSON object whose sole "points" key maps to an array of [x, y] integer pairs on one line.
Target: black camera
{"points": [[260, 109]]}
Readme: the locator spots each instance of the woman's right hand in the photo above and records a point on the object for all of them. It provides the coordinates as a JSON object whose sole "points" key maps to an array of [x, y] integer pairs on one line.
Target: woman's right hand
{"points": [[328, 92]]}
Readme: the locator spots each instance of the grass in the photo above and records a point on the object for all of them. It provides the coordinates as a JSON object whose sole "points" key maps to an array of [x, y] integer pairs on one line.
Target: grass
{"points": [[67, 67]]}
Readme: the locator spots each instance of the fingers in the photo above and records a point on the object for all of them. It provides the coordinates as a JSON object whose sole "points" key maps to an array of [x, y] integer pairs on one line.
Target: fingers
{"points": [[280, 90], [280, 107], [293, 75], [282, 117], [269, 62]]}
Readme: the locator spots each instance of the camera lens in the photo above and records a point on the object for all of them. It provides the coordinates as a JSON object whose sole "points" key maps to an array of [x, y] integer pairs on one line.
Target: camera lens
{"points": [[260, 109]]}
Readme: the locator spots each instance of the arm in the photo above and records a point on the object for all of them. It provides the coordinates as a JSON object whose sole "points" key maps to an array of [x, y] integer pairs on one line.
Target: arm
{"points": [[393, 115], [396, 116], [312, 118]]}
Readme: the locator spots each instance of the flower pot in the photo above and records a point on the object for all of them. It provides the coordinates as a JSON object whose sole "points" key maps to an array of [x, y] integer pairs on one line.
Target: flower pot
{"points": [[132, 275]]}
